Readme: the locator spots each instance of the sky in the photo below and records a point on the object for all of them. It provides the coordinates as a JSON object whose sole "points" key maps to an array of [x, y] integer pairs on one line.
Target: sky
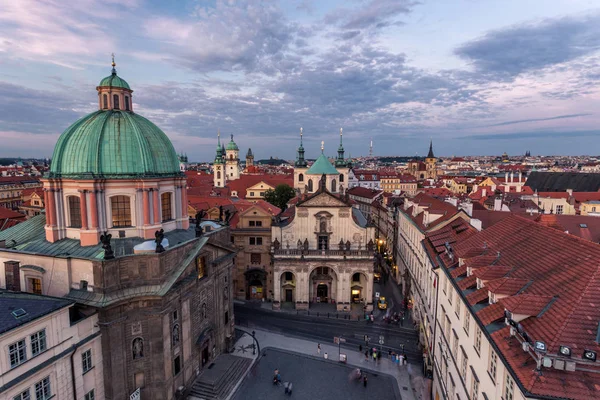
{"points": [[477, 77]]}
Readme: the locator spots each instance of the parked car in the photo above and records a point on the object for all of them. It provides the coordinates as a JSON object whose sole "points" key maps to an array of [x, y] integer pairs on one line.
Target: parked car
{"points": [[381, 303]]}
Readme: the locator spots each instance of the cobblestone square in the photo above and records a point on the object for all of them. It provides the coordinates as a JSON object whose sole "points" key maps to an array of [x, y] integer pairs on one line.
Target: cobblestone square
{"points": [[312, 378]]}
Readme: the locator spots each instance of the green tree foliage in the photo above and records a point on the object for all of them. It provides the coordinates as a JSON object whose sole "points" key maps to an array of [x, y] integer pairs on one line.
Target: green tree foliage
{"points": [[280, 195]]}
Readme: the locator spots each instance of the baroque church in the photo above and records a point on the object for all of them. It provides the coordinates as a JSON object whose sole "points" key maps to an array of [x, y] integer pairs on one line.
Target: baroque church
{"points": [[115, 240]]}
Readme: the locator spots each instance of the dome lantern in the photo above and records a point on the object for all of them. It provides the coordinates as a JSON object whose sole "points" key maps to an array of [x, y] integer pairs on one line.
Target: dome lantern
{"points": [[114, 92]]}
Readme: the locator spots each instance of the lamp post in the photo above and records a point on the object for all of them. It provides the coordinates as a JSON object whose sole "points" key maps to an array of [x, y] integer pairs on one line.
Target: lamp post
{"points": [[257, 345]]}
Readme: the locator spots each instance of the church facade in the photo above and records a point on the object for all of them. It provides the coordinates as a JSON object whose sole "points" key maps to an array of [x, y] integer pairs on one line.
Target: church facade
{"points": [[323, 253]]}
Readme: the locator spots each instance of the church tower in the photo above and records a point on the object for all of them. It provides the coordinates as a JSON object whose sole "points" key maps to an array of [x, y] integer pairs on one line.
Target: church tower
{"points": [[342, 165], [232, 160], [431, 163], [249, 158], [218, 171], [300, 167]]}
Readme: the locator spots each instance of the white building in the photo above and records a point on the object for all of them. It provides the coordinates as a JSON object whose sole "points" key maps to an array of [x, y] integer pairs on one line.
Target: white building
{"points": [[49, 349]]}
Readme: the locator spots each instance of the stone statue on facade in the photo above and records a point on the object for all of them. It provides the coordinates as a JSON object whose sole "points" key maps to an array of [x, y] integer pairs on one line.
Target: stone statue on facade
{"points": [[220, 213], [370, 245], [199, 215], [306, 244], [348, 245], [108, 251], [341, 244], [299, 244], [138, 348], [158, 238], [228, 215], [276, 244]]}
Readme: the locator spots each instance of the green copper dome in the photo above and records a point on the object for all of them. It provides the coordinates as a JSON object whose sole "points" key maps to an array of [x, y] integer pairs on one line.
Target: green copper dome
{"points": [[322, 166], [114, 144], [115, 81], [231, 145]]}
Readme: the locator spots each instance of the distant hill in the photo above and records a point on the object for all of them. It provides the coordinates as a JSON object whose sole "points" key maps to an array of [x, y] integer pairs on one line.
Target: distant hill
{"points": [[272, 161]]}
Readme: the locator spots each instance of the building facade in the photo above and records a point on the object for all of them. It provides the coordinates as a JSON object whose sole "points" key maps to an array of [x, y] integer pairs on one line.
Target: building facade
{"points": [[323, 253]]}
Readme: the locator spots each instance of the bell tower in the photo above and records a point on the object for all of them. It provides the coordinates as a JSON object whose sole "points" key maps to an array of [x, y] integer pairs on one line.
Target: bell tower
{"points": [[431, 163], [232, 161], [218, 167]]}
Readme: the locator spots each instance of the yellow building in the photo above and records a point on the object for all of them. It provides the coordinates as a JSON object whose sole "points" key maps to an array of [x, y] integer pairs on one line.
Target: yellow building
{"points": [[458, 185], [393, 181], [591, 207]]}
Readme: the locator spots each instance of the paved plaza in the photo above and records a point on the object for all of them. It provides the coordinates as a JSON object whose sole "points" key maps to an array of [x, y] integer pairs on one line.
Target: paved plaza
{"points": [[312, 378]]}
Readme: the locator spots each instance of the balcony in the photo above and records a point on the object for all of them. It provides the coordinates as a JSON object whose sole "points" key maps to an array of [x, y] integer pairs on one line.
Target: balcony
{"points": [[327, 254]]}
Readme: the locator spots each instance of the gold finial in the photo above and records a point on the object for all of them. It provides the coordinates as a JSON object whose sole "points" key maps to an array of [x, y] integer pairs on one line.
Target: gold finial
{"points": [[113, 61]]}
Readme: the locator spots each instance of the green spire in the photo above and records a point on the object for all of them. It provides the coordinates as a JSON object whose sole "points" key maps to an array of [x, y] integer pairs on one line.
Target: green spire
{"points": [[219, 155], [300, 161], [339, 161]]}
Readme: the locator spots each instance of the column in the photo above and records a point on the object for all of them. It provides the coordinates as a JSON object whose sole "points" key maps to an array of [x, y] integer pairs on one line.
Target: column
{"points": [[146, 203], [83, 207], [183, 202], [155, 207], [51, 209], [46, 205], [93, 209]]}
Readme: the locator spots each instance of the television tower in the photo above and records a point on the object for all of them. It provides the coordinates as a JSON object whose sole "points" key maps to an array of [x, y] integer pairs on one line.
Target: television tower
{"points": [[371, 149]]}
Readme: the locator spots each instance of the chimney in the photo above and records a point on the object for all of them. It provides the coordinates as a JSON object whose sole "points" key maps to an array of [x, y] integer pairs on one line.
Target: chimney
{"points": [[570, 191], [520, 176], [498, 203], [512, 176], [12, 275], [506, 177], [477, 224], [468, 207]]}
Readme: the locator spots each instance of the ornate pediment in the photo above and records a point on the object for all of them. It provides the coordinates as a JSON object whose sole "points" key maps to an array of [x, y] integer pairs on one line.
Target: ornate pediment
{"points": [[323, 200]]}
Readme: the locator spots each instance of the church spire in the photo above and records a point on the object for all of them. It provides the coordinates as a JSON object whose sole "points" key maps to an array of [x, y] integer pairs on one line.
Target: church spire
{"points": [[430, 154], [219, 155], [339, 161], [300, 161]]}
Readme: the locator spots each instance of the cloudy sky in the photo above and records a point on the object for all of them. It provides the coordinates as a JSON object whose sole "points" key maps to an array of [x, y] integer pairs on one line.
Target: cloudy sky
{"points": [[476, 76]]}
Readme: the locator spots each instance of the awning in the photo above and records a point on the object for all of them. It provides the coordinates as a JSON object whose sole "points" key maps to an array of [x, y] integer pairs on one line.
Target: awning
{"points": [[356, 287], [204, 335]]}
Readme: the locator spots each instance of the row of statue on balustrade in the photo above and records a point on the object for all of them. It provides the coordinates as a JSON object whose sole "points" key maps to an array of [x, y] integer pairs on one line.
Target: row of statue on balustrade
{"points": [[341, 245]]}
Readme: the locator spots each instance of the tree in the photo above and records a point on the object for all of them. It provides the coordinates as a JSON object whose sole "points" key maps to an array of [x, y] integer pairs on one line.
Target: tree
{"points": [[280, 196]]}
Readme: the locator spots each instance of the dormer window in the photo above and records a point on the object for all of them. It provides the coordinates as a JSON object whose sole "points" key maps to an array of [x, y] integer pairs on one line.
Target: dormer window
{"points": [[116, 101]]}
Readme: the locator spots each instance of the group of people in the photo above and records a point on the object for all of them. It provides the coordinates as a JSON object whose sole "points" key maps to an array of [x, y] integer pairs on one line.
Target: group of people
{"points": [[277, 381], [358, 375], [395, 318]]}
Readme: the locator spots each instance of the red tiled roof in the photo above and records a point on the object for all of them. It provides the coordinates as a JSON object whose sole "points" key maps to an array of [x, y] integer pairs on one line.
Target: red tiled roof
{"points": [[478, 296], [506, 285], [364, 192], [491, 313], [491, 272], [246, 181], [455, 273], [546, 262], [468, 282], [526, 304]]}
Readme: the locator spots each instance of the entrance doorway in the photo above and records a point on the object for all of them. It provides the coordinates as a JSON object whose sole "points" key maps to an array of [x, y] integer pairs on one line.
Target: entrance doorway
{"points": [[356, 297], [322, 292], [289, 296], [256, 290]]}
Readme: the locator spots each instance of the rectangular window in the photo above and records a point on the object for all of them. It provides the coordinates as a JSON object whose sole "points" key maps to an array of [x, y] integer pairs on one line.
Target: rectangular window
{"points": [[86, 360], [255, 258], [289, 276], [252, 223], [559, 209], [25, 395], [251, 194], [43, 390], [201, 266], [463, 366], [493, 364], [252, 241], [89, 395], [478, 340], [323, 242], [17, 353], [38, 342], [467, 322], [256, 241], [176, 366], [165, 204], [121, 211], [475, 389], [175, 315], [259, 223], [74, 212], [509, 388], [35, 285], [455, 344], [457, 306]]}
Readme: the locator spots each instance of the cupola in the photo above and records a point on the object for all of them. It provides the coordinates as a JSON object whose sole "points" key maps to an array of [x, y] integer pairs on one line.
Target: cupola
{"points": [[114, 92]]}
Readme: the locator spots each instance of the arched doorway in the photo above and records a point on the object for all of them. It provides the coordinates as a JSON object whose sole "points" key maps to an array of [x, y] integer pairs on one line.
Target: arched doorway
{"points": [[322, 285], [358, 288], [288, 288], [256, 284]]}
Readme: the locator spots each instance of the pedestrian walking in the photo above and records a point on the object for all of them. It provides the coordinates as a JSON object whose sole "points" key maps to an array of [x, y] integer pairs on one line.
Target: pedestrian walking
{"points": [[365, 380], [366, 355], [319, 348], [374, 356]]}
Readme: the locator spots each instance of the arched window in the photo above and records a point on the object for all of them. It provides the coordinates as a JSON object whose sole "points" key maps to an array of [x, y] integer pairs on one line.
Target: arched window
{"points": [[231, 156], [74, 212], [121, 211], [333, 185], [356, 277], [301, 178], [116, 101], [127, 103], [310, 186], [218, 174], [104, 101], [137, 348], [341, 178], [165, 202]]}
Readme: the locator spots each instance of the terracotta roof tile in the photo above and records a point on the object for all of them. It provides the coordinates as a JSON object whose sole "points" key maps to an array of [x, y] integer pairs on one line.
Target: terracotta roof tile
{"points": [[491, 313], [526, 304], [468, 282], [478, 296]]}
